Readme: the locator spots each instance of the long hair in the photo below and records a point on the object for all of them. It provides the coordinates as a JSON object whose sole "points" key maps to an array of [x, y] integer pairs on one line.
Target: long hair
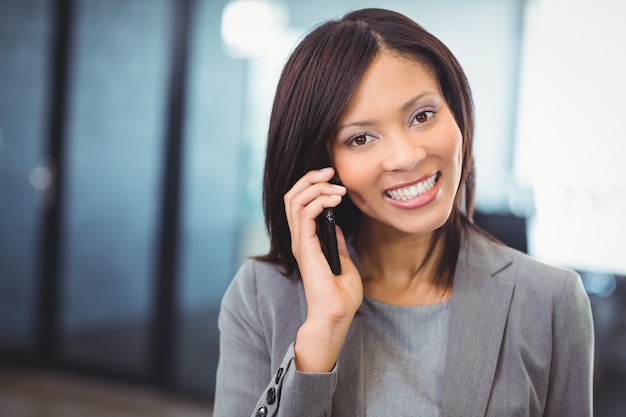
{"points": [[313, 92]]}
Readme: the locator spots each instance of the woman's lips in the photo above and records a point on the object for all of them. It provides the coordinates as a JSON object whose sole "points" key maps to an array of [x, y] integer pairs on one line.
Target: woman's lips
{"points": [[415, 190]]}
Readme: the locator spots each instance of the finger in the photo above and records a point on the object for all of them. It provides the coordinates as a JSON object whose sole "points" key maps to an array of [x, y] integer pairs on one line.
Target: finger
{"points": [[315, 196], [298, 198], [304, 209], [313, 177], [310, 178], [304, 226], [341, 241], [303, 204]]}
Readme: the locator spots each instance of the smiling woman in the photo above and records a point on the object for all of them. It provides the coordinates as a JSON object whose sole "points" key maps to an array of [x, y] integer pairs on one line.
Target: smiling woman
{"points": [[430, 315]]}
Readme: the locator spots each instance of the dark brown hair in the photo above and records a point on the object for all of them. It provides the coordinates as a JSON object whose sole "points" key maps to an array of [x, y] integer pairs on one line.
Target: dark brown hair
{"points": [[314, 90]]}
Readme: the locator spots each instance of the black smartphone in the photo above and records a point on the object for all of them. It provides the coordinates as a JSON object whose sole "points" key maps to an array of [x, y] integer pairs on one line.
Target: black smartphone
{"points": [[328, 238]]}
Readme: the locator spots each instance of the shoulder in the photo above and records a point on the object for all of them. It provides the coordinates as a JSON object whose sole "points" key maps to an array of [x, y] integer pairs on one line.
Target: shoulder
{"points": [[533, 279], [258, 279], [527, 273], [513, 264], [262, 292]]}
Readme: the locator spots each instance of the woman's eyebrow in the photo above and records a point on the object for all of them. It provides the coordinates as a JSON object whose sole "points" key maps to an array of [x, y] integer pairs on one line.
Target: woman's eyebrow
{"points": [[360, 123], [411, 102]]}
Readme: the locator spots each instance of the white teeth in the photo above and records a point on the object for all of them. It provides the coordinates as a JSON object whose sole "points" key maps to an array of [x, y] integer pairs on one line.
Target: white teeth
{"points": [[413, 191]]}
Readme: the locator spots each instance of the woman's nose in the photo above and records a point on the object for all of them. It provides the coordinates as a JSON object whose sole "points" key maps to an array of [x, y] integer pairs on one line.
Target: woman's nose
{"points": [[402, 152]]}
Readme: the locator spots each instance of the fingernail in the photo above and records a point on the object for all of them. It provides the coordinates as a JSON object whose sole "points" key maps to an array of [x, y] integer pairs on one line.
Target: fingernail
{"points": [[325, 170]]}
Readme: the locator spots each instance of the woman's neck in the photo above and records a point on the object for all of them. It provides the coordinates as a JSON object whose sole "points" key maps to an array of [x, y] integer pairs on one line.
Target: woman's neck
{"points": [[396, 268]]}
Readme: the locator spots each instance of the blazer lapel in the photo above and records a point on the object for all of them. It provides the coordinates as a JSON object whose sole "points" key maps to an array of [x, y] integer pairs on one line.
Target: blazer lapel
{"points": [[479, 309]]}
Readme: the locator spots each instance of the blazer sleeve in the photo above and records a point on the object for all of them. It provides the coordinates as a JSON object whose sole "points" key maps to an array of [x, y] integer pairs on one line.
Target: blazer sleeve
{"points": [[571, 369], [246, 383]]}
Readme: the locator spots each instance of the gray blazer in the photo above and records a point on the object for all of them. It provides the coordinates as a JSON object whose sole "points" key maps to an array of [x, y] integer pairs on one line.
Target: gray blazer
{"points": [[520, 343]]}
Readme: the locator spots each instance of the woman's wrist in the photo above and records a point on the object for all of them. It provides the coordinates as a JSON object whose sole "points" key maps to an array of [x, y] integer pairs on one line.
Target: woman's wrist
{"points": [[318, 345]]}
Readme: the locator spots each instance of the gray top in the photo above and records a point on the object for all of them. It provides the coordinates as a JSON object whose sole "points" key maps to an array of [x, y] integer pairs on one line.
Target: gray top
{"points": [[406, 345]]}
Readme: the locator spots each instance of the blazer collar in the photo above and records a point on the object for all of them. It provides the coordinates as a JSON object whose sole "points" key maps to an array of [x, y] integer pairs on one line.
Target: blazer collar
{"points": [[478, 314]]}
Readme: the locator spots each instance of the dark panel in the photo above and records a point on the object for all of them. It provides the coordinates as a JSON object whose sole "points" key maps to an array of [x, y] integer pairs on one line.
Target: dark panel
{"points": [[117, 125], [25, 37]]}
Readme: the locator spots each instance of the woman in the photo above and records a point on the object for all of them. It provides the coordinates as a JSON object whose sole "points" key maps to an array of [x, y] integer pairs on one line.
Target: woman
{"points": [[429, 316]]}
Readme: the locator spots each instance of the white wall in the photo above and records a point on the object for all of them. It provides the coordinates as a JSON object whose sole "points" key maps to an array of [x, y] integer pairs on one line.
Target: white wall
{"points": [[571, 131]]}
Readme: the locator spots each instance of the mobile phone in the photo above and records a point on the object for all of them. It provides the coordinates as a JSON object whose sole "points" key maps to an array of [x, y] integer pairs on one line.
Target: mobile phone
{"points": [[328, 238]]}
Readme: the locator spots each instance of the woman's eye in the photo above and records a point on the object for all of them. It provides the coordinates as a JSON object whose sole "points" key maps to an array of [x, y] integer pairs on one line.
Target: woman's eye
{"points": [[360, 140], [423, 116]]}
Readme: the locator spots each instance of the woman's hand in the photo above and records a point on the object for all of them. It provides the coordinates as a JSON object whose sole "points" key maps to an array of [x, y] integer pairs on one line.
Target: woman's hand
{"points": [[332, 300]]}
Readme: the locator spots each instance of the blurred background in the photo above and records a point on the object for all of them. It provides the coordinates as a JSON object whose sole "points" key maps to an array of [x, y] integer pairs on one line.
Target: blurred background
{"points": [[132, 135]]}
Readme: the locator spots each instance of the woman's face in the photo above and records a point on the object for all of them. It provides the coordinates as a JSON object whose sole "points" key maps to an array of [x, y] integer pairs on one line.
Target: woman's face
{"points": [[399, 150]]}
